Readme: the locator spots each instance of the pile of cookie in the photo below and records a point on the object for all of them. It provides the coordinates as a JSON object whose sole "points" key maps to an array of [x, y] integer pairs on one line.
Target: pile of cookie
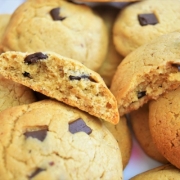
{"points": [[70, 74]]}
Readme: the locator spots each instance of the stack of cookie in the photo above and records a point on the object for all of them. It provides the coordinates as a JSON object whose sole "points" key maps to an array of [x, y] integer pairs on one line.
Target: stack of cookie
{"points": [[73, 132]]}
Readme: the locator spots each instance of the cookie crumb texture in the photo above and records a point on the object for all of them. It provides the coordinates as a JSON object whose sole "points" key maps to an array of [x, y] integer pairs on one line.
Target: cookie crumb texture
{"points": [[72, 30], [36, 144], [63, 79], [147, 72]]}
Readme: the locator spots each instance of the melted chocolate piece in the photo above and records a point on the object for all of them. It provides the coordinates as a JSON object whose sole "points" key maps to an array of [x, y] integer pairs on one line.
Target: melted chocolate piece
{"points": [[78, 126], [26, 74], [81, 77], [55, 14], [145, 19], [36, 172], [34, 58], [40, 134], [141, 94]]}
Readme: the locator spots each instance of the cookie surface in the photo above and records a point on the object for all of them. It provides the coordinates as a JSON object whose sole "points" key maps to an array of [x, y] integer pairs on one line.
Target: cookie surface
{"points": [[50, 140], [164, 172], [4, 20], [59, 26], [113, 58], [147, 72], [141, 22], [122, 134], [61, 78], [164, 125], [140, 125], [13, 94]]}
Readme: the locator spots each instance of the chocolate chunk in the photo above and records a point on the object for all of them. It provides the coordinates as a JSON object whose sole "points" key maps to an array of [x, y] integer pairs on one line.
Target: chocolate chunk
{"points": [[55, 14], [78, 126], [141, 94], [36, 172], [81, 77], [26, 74], [40, 134], [33, 58], [145, 19], [177, 66]]}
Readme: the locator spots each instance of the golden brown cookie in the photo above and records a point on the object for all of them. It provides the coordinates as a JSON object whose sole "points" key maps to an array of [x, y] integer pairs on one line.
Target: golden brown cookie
{"points": [[61, 78], [113, 58], [49, 140], [165, 127], [69, 29], [4, 20], [147, 72], [140, 125], [122, 134], [164, 172], [141, 22]]}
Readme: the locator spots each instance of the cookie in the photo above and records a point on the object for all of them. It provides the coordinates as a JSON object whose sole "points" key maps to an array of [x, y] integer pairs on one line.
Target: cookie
{"points": [[61, 78], [122, 134], [13, 94], [147, 72], [113, 58], [167, 171], [164, 125], [69, 29], [141, 22], [140, 125], [49, 140]]}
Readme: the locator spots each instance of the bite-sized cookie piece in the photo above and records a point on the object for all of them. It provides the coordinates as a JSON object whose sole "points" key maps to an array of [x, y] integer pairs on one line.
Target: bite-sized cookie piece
{"points": [[13, 94], [69, 29], [49, 140], [144, 21], [140, 125], [147, 72], [4, 20], [113, 58], [165, 172], [164, 123], [122, 134], [61, 78]]}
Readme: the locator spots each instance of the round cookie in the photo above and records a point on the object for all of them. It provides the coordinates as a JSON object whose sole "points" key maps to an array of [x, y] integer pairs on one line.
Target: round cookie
{"points": [[63, 79], [140, 125], [113, 58], [69, 29], [165, 172], [49, 140], [141, 22], [13, 94], [164, 123], [147, 72], [122, 134]]}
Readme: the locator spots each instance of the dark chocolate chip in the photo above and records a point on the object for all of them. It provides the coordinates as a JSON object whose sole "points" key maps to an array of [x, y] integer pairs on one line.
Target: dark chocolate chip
{"points": [[36, 172], [145, 19], [55, 14], [40, 134], [26, 74], [141, 94], [177, 66], [78, 126], [33, 58], [81, 77]]}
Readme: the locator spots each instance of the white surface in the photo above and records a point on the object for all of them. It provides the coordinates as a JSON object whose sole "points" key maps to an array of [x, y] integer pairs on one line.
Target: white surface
{"points": [[139, 162]]}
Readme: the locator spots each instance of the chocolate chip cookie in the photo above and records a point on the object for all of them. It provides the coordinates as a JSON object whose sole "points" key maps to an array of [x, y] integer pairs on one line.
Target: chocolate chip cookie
{"points": [[61, 78], [69, 29], [49, 140]]}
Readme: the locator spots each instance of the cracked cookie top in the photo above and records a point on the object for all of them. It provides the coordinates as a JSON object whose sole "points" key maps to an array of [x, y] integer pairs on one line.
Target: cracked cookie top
{"points": [[50, 140]]}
